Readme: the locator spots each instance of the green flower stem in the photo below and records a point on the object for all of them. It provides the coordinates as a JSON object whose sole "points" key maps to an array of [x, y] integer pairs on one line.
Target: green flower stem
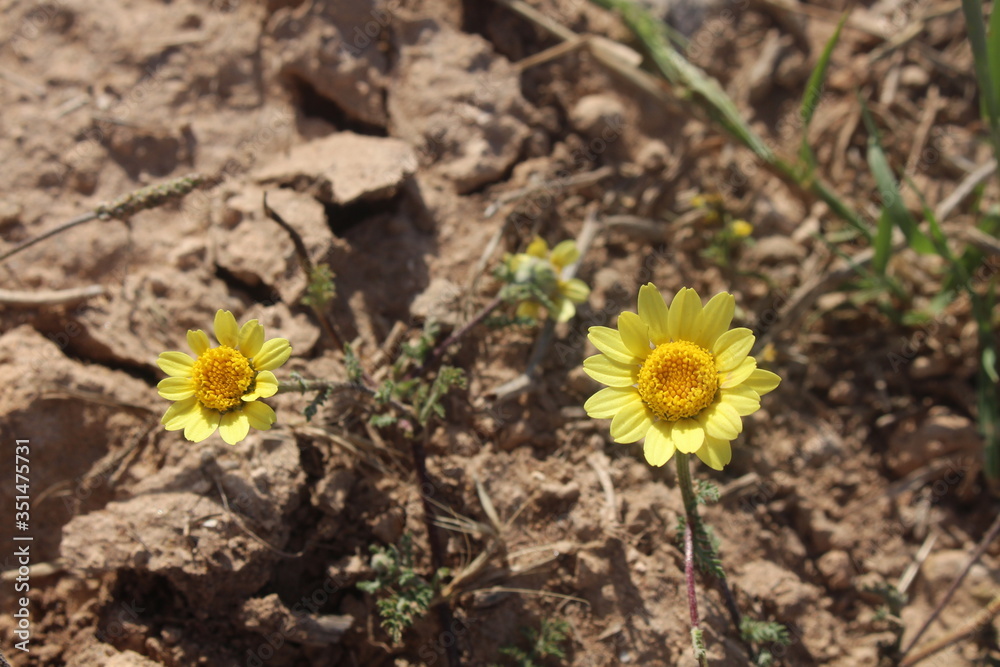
{"points": [[691, 512], [696, 635], [304, 386], [687, 490], [694, 527]]}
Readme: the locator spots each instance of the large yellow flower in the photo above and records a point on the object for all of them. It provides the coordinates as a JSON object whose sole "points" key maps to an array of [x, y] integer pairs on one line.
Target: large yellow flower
{"points": [[220, 388], [547, 270], [677, 377]]}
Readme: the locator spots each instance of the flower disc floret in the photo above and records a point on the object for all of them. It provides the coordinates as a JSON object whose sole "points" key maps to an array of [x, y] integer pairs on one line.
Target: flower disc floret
{"points": [[222, 376], [678, 380]]}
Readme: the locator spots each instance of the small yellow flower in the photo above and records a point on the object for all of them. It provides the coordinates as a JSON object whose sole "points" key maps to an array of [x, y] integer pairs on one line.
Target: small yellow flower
{"points": [[546, 269], [220, 388], [742, 228], [711, 200], [677, 377]]}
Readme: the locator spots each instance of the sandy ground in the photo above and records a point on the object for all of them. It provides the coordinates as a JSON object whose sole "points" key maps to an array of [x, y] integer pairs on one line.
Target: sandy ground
{"points": [[400, 139]]}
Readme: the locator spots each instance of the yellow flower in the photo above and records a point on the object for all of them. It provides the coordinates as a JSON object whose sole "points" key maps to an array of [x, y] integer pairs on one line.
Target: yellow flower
{"points": [[742, 228], [546, 269], [677, 377], [220, 388]]}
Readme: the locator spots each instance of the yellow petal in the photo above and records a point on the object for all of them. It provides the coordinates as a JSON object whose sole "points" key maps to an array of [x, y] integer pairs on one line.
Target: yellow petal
{"points": [[565, 310], [762, 381], [234, 426], [631, 422], [688, 435], [659, 446], [529, 310], [606, 403], [684, 317], [538, 248], [175, 388], [715, 453], [265, 385], [179, 414], [635, 334], [743, 399], [251, 339], [575, 290], [738, 375], [732, 348], [175, 364], [609, 341], [202, 424], [564, 254], [226, 331], [716, 318], [198, 342], [610, 372], [721, 421], [261, 415], [272, 354], [653, 311]]}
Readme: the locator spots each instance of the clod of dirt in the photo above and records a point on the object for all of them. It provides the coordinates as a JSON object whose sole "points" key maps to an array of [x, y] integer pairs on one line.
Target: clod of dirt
{"points": [[46, 395], [331, 491], [766, 579], [344, 168], [333, 48], [593, 113], [942, 568], [916, 443], [269, 615], [837, 568], [774, 250], [438, 302], [258, 252], [177, 527], [100, 653], [458, 102]]}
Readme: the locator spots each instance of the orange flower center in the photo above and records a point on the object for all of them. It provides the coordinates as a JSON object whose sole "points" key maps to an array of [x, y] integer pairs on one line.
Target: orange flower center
{"points": [[678, 380], [222, 375]]}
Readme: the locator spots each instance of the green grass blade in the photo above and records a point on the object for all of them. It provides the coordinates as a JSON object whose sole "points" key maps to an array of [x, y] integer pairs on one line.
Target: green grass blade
{"points": [[682, 73], [993, 49], [810, 100], [811, 97], [983, 53], [883, 242], [937, 235], [987, 398], [888, 188], [695, 85]]}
